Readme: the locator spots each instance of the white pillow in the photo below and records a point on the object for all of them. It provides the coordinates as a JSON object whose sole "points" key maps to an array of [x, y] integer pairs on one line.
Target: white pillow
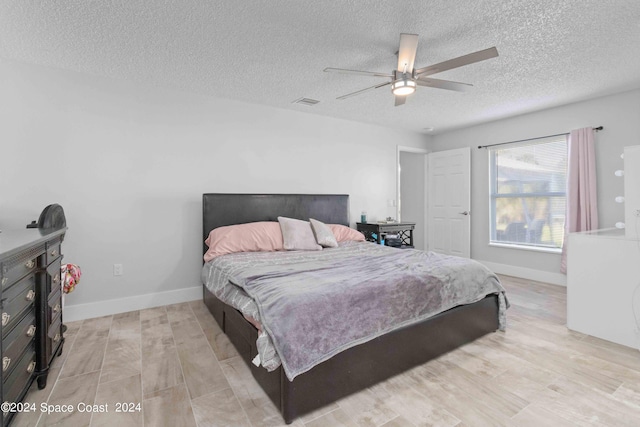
{"points": [[297, 235], [324, 235]]}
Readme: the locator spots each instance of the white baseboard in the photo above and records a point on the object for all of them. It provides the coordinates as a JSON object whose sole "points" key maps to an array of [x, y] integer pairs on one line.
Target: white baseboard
{"points": [[526, 273], [122, 305]]}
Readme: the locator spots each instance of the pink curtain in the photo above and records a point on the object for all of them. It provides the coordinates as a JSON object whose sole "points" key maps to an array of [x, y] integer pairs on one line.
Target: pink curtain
{"points": [[582, 200]]}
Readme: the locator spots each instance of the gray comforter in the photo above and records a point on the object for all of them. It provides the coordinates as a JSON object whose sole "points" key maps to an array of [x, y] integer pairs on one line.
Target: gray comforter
{"points": [[314, 305]]}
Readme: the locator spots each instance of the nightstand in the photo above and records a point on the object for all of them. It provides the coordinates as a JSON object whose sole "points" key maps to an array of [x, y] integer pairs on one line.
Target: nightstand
{"points": [[404, 230]]}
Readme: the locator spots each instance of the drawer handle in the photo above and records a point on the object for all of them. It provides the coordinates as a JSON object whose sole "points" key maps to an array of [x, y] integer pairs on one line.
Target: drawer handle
{"points": [[56, 308], [4, 280], [54, 252], [31, 331], [30, 264], [31, 295], [5, 318], [6, 362], [56, 278], [31, 367], [56, 338]]}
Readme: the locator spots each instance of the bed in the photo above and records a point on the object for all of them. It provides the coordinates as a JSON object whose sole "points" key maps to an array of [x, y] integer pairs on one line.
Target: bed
{"points": [[357, 367]]}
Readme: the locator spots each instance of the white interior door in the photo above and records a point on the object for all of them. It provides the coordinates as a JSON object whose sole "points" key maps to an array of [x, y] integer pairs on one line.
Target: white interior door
{"points": [[449, 202]]}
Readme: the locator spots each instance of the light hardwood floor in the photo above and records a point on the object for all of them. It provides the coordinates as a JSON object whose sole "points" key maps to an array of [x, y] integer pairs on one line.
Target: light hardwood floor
{"points": [[177, 364]]}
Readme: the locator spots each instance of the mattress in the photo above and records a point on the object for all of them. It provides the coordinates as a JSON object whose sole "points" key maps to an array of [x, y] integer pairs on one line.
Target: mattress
{"points": [[314, 304]]}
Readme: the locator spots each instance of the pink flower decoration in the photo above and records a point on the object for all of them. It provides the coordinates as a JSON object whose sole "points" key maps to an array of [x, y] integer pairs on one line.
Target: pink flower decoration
{"points": [[70, 274]]}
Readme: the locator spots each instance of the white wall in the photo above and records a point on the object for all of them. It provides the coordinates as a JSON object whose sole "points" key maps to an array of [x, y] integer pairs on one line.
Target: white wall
{"points": [[620, 116], [129, 164]]}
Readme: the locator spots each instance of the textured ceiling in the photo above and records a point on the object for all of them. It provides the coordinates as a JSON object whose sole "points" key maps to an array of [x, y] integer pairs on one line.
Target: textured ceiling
{"points": [[552, 52]]}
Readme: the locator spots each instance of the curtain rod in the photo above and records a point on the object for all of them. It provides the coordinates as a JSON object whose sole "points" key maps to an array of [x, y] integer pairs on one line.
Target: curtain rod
{"points": [[531, 139]]}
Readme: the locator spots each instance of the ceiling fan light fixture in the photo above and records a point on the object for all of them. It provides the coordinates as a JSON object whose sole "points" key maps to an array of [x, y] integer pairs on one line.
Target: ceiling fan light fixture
{"points": [[403, 87]]}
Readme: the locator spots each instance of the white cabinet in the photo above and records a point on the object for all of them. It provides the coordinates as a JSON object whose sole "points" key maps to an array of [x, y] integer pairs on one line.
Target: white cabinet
{"points": [[632, 190], [603, 270]]}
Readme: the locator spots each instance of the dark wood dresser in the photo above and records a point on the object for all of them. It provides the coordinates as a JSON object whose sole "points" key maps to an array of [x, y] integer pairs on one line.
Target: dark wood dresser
{"points": [[31, 304]]}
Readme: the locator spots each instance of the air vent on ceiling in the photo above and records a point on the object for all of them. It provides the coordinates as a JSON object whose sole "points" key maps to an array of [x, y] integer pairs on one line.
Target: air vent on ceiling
{"points": [[306, 101]]}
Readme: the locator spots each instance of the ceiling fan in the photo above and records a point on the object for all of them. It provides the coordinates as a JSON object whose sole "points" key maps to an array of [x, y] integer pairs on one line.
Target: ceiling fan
{"points": [[406, 78]]}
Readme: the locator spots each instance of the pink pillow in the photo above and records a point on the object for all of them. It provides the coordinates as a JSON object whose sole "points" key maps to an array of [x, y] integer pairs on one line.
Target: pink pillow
{"points": [[250, 237], [344, 233]]}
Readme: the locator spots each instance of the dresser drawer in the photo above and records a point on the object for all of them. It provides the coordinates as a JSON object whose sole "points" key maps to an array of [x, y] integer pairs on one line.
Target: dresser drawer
{"points": [[53, 251], [55, 331], [51, 334], [18, 266], [53, 271], [54, 306], [16, 342], [16, 300], [18, 380]]}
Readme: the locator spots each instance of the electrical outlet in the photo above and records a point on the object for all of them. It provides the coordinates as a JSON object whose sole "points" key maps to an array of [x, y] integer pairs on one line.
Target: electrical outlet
{"points": [[117, 270], [637, 213]]}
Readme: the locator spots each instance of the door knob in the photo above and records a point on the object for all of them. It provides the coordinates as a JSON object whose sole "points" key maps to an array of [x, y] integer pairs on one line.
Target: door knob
{"points": [[464, 213]]}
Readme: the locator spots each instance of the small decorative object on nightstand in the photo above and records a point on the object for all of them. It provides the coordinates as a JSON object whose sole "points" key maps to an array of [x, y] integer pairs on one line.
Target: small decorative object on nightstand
{"points": [[376, 232]]}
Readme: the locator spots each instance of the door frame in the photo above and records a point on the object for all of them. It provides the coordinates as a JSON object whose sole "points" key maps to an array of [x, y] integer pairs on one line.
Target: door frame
{"points": [[414, 150]]}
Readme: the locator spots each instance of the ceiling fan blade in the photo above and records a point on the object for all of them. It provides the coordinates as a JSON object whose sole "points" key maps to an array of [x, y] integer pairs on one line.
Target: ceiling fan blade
{"points": [[443, 84], [461, 61], [357, 72], [407, 52], [400, 100], [363, 90]]}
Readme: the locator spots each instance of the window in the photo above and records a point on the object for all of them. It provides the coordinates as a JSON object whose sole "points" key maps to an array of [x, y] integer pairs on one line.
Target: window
{"points": [[528, 193]]}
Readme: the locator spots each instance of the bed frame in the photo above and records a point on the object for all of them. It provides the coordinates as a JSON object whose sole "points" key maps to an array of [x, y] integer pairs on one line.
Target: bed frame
{"points": [[358, 367]]}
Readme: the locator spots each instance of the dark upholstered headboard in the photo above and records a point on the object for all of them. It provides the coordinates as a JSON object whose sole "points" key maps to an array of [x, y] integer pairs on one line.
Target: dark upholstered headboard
{"points": [[220, 209]]}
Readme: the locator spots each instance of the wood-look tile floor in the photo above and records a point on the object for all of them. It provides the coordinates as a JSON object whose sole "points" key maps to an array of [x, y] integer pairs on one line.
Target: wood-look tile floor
{"points": [[175, 362]]}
